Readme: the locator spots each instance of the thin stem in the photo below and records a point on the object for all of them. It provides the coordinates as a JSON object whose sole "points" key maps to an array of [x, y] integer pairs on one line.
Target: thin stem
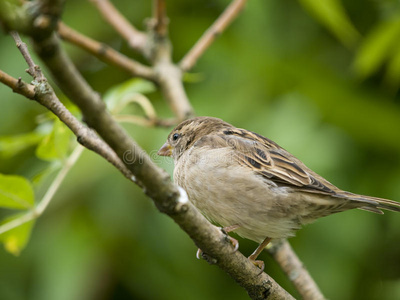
{"points": [[136, 39], [294, 269], [29, 216], [140, 100], [69, 163], [105, 53], [33, 70], [218, 27], [18, 85], [40, 208], [137, 120], [160, 18]]}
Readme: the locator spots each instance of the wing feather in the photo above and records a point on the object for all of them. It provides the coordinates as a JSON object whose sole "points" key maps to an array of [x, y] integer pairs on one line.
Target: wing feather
{"points": [[269, 160]]}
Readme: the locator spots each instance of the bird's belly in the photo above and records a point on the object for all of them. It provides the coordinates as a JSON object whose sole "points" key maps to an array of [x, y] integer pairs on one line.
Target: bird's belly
{"points": [[230, 196]]}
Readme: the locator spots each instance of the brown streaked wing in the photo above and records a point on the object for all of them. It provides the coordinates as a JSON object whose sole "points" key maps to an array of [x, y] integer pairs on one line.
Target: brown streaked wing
{"points": [[271, 161]]}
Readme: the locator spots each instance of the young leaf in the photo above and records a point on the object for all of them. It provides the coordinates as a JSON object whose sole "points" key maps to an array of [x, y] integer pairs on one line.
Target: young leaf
{"points": [[55, 145], [129, 87], [16, 239], [14, 144], [15, 192]]}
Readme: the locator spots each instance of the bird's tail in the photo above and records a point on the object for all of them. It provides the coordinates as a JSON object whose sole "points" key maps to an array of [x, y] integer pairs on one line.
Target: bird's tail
{"points": [[374, 204]]}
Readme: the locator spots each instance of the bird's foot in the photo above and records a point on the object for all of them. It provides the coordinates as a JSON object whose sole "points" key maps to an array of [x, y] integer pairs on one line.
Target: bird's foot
{"points": [[258, 263], [200, 254], [232, 240]]}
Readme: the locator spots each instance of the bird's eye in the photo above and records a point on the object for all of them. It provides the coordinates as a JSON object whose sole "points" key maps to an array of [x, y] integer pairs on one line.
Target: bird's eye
{"points": [[175, 136]]}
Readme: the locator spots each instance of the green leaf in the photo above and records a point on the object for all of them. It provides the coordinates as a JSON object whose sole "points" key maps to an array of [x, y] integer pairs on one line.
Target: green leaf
{"points": [[377, 47], [392, 75], [55, 145], [14, 144], [16, 239], [332, 15], [136, 85], [15, 192]]}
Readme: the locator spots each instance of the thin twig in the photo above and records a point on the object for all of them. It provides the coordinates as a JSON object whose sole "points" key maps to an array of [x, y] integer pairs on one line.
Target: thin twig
{"points": [[167, 123], [40, 208], [72, 159], [218, 27], [160, 18], [137, 120], [105, 53], [294, 269], [136, 39], [33, 70], [29, 216], [141, 101], [18, 85]]}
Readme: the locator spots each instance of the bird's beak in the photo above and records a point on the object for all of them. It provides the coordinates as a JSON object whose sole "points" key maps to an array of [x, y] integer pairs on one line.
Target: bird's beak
{"points": [[165, 150]]}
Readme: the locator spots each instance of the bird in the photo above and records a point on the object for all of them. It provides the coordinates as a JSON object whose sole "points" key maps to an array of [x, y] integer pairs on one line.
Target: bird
{"points": [[248, 184]]}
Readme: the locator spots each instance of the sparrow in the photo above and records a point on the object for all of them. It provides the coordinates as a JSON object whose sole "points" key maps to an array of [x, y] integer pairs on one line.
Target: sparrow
{"points": [[249, 184]]}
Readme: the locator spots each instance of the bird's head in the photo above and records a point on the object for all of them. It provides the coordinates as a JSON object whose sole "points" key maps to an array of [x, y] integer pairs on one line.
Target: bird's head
{"points": [[189, 132]]}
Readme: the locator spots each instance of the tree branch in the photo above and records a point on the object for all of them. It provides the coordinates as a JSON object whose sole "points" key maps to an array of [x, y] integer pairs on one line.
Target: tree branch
{"points": [[218, 27], [294, 269], [105, 53], [136, 39]]}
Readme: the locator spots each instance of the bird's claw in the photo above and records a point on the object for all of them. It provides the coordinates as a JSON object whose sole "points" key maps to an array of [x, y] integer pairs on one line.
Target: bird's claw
{"points": [[199, 253], [258, 263], [234, 243]]}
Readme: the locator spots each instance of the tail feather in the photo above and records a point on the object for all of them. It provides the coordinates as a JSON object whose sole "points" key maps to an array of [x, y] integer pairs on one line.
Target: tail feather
{"points": [[371, 209], [374, 204]]}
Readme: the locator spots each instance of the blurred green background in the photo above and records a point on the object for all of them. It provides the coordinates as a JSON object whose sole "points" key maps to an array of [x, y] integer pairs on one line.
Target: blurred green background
{"points": [[321, 78]]}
